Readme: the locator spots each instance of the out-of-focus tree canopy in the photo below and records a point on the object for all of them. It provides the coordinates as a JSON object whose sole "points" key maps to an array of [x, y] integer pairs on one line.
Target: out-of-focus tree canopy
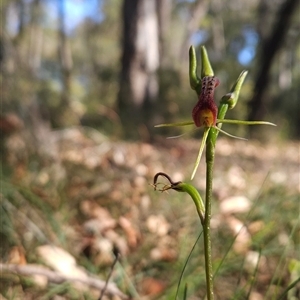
{"points": [[121, 66], [78, 77]]}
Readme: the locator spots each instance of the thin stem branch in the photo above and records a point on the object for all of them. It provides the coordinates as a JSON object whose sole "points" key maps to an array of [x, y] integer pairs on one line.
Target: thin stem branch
{"points": [[108, 277]]}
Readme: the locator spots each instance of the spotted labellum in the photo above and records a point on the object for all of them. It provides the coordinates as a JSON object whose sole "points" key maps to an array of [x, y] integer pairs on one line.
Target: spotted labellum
{"points": [[205, 111]]}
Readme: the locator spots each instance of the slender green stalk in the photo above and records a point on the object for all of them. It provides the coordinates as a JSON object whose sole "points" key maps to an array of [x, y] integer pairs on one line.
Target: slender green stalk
{"points": [[210, 157], [185, 264], [226, 103], [285, 292], [210, 154], [185, 292]]}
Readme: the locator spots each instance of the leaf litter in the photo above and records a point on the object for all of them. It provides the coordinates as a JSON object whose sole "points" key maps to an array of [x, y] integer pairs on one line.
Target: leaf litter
{"points": [[112, 207]]}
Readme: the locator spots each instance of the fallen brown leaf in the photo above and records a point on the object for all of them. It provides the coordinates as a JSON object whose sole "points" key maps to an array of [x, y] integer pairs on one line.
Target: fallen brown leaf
{"points": [[133, 235], [152, 286]]}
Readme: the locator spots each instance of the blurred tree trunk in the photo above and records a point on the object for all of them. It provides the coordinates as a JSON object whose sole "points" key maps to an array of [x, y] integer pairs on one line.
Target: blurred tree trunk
{"points": [[270, 47], [164, 9], [21, 18], [264, 18], [140, 61], [67, 115], [218, 35], [36, 36]]}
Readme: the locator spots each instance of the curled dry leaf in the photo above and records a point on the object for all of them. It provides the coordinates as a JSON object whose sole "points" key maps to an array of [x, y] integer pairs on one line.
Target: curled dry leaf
{"points": [[163, 254], [165, 249], [255, 296], [10, 123], [252, 259], [237, 204], [40, 280], [101, 219], [256, 226], [236, 177], [119, 242], [118, 157], [104, 255], [158, 224], [141, 170], [94, 210], [152, 286], [96, 226], [243, 238], [132, 234], [60, 260], [17, 256]]}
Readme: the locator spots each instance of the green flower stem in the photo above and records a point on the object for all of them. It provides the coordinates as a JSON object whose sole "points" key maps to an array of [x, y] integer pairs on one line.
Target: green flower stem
{"points": [[210, 135], [228, 102], [210, 155]]}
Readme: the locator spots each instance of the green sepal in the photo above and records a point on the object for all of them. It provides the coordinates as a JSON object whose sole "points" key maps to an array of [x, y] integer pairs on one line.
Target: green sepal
{"points": [[175, 124], [206, 69], [232, 97], [195, 81], [241, 122]]}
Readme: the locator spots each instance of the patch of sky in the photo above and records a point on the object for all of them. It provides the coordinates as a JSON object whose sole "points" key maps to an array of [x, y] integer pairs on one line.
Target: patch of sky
{"points": [[76, 11], [247, 53], [199, 37], [14, 11]]}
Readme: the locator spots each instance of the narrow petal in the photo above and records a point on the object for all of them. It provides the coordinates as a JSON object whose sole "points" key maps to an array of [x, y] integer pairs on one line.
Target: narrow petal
{"points": [[175, 124], [230, 135], [241, 122], [205, 134]]}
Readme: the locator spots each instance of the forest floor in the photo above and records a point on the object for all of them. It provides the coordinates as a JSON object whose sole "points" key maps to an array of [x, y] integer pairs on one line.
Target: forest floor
{"points": [[78, 198]]}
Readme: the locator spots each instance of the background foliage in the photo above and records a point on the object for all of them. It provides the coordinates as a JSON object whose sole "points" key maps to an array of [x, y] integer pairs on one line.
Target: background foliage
{"points": [[52, 58], [71, 179]]}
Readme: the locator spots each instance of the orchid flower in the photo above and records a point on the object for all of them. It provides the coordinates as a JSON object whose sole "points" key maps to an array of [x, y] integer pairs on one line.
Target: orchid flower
{"points": [[206, 113]]}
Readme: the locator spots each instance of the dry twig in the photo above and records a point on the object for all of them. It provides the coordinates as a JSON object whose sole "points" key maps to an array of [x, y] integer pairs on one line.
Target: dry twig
{"points": [[56, 277]]}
